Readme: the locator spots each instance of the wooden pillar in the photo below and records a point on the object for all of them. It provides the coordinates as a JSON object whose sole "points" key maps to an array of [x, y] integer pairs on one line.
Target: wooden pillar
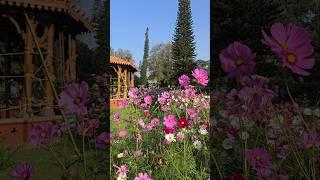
{"points": [[72, 58], [125, 84], [132, 79], [28, 68], [119, 74], [48, 111]]}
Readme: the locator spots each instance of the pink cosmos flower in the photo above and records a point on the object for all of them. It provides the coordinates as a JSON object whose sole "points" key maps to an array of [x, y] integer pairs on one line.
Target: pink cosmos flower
{"points": [[155, 122], [255, 93], [148, 100], [141, 123], [201, 75], [117, 116], [142, 176], [293, 45], [74, 98], [133, 93], [103, 140], [237, 60], [170, 121], [258, 158], [23, 172], [184, 80], [123, 103], [180, 137], [143, 105], [41, 134], [123, 133], [164, 108], [88, 128], [122, 170], [162, 100], [137, 153], [191, 112]]}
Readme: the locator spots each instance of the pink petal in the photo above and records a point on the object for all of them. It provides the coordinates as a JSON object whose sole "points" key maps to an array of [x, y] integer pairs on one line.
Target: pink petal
{"points": [[72, 90], [278, 32], [306, 63]]}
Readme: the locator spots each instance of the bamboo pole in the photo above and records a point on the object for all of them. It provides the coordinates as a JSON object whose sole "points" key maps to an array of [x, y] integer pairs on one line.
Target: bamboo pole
{"points": [[50, 80]]}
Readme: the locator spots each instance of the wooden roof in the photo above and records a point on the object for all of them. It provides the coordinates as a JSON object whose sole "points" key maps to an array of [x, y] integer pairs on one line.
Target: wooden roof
{"points": [[64, 6], [116, 60]]}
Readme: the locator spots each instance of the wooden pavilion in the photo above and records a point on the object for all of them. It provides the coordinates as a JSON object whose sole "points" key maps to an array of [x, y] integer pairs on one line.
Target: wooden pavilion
{"points": [[37, 46], [122, 78]]}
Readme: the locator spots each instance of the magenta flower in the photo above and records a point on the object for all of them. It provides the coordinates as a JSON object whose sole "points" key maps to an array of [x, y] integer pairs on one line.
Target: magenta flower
{"points": [[162, 100], [293, 45], [103, 140], [142, 176], [74, 98], [41, 134], [122, 170], [123, 103], [258, 158], [237, 60], [88, 128], [184, 80], [123, 133], [133, 93], [137, 153], [191, 112], [117, 116], [148, 100], [23, 172], [155, 122], [201, 76], [255, 92], [170, 121]]}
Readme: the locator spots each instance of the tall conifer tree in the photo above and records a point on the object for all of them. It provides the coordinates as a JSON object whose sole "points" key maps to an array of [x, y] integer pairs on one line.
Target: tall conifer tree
{"points": [[144, 67], [183, 46]]}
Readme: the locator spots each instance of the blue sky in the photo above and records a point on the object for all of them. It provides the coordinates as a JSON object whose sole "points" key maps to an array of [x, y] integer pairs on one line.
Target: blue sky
{"points": [[130, 18]]}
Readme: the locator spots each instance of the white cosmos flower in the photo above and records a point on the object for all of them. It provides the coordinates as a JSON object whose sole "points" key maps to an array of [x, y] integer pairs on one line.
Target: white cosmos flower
{"points": [[244, 135], [197, 144], [228, 143], [203, 131], [120, 155], [170, 138], [307, 112], [235, 122]]}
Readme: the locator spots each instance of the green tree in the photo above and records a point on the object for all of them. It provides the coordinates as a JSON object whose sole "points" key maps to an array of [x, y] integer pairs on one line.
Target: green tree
{"points": [[144, 67], [99, 27], [85, 61], [183, 46], [121, 53], [160, 62]]}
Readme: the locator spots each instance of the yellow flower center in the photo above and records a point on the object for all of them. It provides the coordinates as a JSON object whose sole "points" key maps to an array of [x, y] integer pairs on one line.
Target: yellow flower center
{"points": [[239, 62], [258, 158], [85, 131], [291, 58], [77, 101], [106, 141], [284, 45]]}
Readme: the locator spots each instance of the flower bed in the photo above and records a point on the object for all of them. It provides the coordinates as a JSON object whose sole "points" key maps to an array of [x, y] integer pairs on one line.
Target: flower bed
{"points": [[166, 134]]}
